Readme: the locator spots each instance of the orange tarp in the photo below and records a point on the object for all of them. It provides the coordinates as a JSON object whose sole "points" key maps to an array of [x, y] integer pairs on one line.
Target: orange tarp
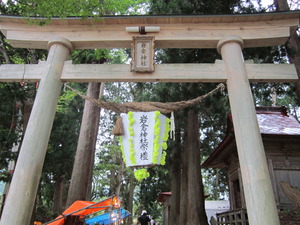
{"points": [[83, 208]]}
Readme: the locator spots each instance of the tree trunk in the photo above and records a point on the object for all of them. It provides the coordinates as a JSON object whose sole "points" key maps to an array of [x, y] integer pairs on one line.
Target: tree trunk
{"points": [[195, 195], [174, 216], [130, 197], [293, 49], [281, 5], [119, 178], [85, 149], [184, 187], [292, 46], [90, 181], [58, 195], [113, 178], [88, 194]]}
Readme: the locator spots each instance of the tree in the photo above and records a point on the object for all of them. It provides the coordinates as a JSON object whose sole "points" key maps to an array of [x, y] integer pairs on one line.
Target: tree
{"points": [[34, 10], [195, 211], [81, 181], [84, 159], [292, 46], [176, 182], [8, 132]]}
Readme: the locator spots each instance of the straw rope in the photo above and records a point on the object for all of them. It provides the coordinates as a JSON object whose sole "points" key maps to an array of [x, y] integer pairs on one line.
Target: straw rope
{"points": [[164, 108]]}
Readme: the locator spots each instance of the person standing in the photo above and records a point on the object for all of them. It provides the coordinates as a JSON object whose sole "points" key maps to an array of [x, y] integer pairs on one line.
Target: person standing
{"points": [[144, 219]]}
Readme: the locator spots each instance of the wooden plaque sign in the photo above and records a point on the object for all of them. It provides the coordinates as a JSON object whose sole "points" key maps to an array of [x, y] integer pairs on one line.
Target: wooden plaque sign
{"points": [[142, 54]]}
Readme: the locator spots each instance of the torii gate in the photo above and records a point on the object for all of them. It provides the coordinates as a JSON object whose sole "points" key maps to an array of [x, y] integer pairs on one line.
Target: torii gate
{"points": [[227, 33]]}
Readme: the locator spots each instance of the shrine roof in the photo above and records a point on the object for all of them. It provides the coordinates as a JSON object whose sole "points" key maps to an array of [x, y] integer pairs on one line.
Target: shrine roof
{"points": [[163, 19], [276, 120], [273, 122], [162, 196]]}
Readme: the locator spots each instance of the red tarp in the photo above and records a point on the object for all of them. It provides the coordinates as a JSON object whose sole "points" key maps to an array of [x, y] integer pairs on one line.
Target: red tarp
{"points": [[83, 208]]}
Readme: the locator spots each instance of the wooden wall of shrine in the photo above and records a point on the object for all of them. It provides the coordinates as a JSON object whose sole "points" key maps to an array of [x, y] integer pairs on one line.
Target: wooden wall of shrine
{"points": [[282, 152]]}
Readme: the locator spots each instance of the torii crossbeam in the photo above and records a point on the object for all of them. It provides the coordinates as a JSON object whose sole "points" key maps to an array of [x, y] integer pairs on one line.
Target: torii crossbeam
{"points": [[227, 33]]}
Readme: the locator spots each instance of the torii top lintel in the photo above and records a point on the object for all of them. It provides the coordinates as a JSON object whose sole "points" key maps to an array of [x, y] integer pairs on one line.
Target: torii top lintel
{"points": [[193, 31]]}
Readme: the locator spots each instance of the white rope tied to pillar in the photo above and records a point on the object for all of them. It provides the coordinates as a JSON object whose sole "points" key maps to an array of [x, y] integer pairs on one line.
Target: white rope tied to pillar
{"points": [[172, 129]]}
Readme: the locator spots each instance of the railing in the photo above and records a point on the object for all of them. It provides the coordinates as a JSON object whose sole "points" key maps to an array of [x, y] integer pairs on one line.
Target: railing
{"points": [[235, 217]]}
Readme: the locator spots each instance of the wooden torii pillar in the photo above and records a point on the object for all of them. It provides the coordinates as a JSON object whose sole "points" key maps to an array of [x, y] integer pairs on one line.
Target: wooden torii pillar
{"points": [[227, 33], [254, 168]]}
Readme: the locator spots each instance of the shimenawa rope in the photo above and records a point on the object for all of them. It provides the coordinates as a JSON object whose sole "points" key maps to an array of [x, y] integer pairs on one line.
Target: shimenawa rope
{"points": [[164, 108]]}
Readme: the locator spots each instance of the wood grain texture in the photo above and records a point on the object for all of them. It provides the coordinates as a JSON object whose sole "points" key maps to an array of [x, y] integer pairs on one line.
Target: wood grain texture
{"points": [[260, 201], [175, 31], [163, 73]]}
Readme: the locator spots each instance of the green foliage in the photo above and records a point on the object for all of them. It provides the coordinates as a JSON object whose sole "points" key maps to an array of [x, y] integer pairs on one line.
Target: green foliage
{"points": [[40, 9], [99, 56], [188, 7], [65, 101], [44, 214], [10, 7], [90, 56], [159, 181], [5, 176], [117, 56], [19, 56], [64, 135], [11, 98], [215, 178], [106, 170]]}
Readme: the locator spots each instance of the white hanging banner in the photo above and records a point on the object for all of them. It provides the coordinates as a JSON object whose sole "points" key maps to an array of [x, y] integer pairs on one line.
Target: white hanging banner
{"points": [[145, 136]]}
